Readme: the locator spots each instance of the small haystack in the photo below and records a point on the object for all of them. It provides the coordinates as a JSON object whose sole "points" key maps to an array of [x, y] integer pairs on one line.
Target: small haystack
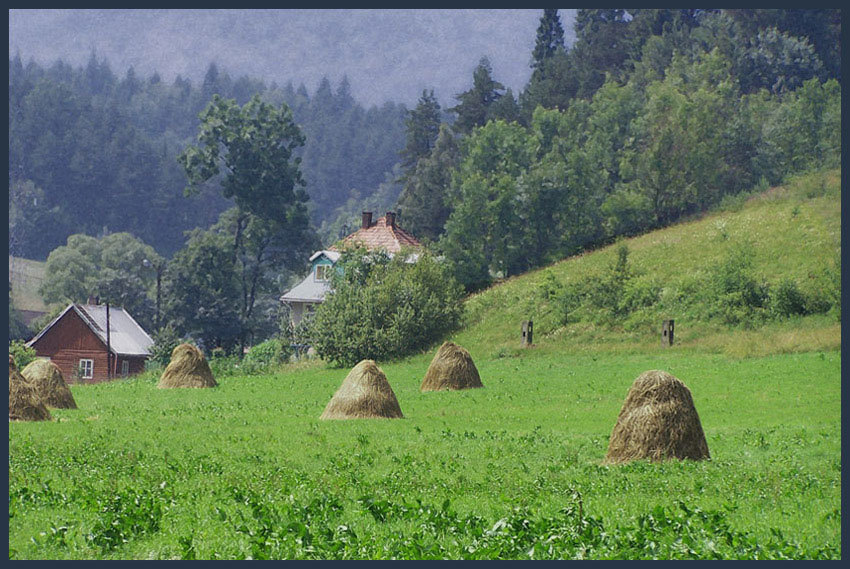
{"points": [[46, 378], [187, 368], [24, 403], [451, 368], [365, 393], [658, 421]]}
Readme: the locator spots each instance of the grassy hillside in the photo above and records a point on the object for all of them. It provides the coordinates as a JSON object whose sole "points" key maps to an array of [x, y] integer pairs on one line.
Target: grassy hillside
{"points": [[793, 231], [513, 470]]}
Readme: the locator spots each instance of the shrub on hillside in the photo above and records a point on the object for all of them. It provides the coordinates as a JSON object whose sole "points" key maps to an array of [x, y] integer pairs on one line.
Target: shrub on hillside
{"points": [[382, 308], [787, 300], [733, 294], [611, 296]]}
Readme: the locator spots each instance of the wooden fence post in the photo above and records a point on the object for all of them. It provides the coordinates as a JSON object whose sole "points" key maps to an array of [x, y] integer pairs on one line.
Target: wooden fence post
{"points": [[667, 333], [527, 332]]}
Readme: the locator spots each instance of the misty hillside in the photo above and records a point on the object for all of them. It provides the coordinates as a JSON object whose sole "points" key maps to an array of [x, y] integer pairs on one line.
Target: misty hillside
{"points": [[92, 151]]}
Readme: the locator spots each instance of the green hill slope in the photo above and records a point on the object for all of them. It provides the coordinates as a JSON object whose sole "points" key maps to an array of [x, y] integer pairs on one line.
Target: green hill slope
{"points": [[792, 232]]}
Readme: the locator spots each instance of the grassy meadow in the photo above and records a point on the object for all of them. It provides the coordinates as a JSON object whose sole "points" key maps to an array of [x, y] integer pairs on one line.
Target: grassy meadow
{"points": [[514, 470]]}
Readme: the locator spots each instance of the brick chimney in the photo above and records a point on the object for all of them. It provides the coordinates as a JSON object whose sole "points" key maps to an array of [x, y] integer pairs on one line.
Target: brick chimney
{"points": [[367, 219], [390, 219]]}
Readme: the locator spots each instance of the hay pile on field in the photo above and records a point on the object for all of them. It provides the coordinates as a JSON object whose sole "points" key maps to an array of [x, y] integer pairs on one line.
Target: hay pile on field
{"points": [[365, 393], [46, 378], [24, 403], [187, 368], [451, 368], [658, 421]]}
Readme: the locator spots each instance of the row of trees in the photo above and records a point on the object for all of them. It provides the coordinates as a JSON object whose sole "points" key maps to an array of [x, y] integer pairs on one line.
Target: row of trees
{"points": [[91, 152], [651, 116]]}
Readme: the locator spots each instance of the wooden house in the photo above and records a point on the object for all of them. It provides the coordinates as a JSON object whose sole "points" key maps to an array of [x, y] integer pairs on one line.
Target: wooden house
{"points": [[87, 350]]}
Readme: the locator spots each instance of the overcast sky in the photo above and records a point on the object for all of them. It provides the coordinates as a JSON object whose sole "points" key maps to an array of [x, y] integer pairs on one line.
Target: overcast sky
{"points": [[387, 54]]}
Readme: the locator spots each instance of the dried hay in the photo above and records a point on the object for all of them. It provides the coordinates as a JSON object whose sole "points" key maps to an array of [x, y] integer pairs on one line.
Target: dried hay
{"points": [[24, 403], [365, 393], [658, 421], [187, 368], [451, 368], [46, 378]]}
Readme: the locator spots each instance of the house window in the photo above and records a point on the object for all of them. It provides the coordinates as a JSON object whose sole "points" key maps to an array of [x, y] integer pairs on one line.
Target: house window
{"points": [[125, 368], [86, 369], [323, 272]]}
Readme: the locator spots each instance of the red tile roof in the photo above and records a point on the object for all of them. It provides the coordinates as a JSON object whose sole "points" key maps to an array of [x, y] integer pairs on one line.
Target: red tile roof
{"points": [[378, 236]]}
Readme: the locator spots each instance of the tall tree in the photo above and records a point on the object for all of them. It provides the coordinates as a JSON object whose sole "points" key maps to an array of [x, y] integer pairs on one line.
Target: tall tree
{"points": [[602, 46], [202, 292], [484, 233], [254, 145], [475, 103], [423, 126], [550, 38], [423, 205]]}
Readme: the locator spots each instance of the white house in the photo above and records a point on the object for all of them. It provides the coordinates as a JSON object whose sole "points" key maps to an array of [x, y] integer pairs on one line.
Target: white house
{"points": [[383, 234]]}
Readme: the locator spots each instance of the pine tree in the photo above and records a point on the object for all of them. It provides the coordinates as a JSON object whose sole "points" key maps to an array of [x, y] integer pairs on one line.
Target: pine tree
{"points": [[422, 204], [550, 38], [475, 103], [423, 126]]}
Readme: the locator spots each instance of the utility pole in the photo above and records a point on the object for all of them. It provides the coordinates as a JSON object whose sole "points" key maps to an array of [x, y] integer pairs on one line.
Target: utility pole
{"points": [[108, 347]]}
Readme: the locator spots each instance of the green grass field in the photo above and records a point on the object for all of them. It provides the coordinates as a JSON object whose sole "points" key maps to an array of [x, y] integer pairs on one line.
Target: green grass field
{"points": [[514, 470]]}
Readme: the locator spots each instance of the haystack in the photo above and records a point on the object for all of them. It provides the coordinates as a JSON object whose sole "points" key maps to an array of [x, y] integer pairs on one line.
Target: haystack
{"points": [[24, 403], [46, 378], [658, 421], [365, 393], [187, 368], [451, 368]]}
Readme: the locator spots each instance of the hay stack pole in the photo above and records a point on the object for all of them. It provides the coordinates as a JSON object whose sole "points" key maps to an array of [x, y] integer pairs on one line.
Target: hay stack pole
{"points": [[364, 394], [451, 368], [46, 378], [24, 403], [187, 368], [658, 421]]}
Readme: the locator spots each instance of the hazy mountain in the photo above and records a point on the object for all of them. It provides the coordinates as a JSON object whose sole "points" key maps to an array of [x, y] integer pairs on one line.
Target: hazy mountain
{"points": [[388, 55]]}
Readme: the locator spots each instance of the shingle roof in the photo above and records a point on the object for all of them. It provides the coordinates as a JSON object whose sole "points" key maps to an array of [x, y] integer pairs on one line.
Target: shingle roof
{"points": [[126, 337], [308, 290], [378, 236]]}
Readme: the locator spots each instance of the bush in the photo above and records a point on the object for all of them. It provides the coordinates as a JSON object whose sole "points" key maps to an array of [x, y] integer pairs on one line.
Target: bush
{"points": [[22, 353], [787, 300], [733, 293], [610, 297], [222, 363], [382, 308], [266, 356], [164, 341]]}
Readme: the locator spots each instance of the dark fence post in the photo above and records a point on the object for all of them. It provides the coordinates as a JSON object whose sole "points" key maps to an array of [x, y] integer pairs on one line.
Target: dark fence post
{"points": [[667, 333], [527, 332]]}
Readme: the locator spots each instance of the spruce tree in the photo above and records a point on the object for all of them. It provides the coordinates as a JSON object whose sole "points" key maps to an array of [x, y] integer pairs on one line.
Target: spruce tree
{"points": [[550, 38], [423, 126], [475, 103]]}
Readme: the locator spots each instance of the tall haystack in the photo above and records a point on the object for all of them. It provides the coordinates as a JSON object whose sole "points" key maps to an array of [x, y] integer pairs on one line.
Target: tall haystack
{"points": [[24, 403], [451, 368], [187, 368], [46, 378], [365, 393], [658, 421]]}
